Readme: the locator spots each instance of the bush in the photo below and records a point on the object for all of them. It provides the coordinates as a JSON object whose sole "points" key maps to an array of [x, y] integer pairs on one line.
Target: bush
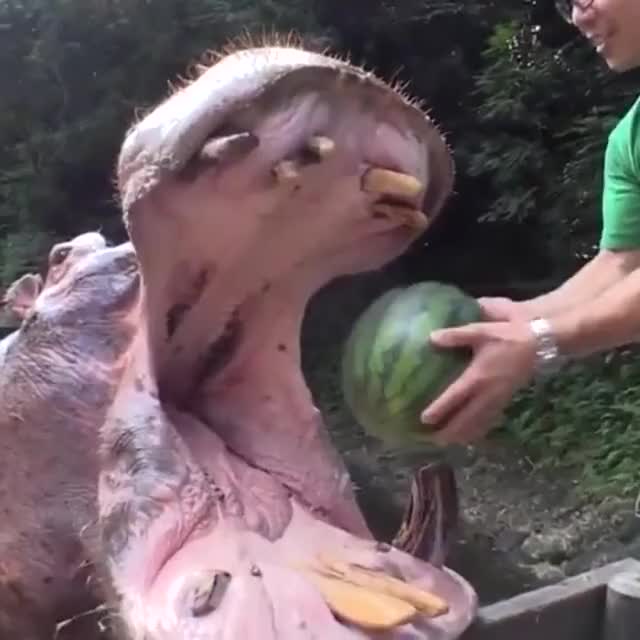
{"points": [[585, 419]]}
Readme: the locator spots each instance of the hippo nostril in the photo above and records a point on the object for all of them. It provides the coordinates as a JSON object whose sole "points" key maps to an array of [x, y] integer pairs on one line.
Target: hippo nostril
{"points": [[207, 591]]}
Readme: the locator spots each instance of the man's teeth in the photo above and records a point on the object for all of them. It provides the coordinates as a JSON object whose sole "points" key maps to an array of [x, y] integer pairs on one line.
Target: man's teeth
{"points": [[598, 41]]}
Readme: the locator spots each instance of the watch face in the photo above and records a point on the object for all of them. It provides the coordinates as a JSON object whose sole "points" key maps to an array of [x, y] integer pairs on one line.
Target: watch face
{"points": [[548, 359], [550, 362]]}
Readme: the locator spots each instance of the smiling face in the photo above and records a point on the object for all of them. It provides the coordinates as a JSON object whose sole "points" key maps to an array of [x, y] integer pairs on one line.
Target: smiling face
{"points": [[613, 28]]}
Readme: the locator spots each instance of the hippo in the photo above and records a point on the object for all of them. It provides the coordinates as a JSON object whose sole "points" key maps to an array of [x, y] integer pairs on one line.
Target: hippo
{"points": [[50, 570], [189, 475], [224, 509], [58, 375]]}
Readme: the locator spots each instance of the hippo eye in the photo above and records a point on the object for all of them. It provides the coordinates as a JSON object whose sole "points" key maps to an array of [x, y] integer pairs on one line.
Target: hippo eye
{"points": [[59, 255]]}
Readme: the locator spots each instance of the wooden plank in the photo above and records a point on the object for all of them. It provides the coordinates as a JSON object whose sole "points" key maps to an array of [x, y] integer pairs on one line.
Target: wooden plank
{"points": [[622, 607], [570, 610]]}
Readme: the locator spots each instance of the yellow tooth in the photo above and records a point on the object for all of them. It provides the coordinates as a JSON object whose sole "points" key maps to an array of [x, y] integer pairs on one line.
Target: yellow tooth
{"points": [[362, 607], [391, 183], [407, 216], [286, 171], [321, 146], [424, 601]]}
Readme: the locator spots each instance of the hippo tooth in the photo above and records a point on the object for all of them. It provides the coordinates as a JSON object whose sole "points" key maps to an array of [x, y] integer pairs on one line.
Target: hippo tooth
{"points": [[220, 152], [321, 146], [391, 183], [408, 216], [228, 147], [362, 607], [424, 601], [286, 171]]}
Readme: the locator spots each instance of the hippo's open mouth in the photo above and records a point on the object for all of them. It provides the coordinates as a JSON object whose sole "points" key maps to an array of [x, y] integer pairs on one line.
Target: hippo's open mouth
{"points": [[245, 192]]}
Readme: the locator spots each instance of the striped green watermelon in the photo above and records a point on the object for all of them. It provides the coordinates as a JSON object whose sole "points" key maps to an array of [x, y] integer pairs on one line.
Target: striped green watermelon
{"points": [[390, 370]]}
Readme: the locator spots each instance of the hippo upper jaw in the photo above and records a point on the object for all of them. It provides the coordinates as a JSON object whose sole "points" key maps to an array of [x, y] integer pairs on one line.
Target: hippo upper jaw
{"points": [[275, 172], [227, 101]]}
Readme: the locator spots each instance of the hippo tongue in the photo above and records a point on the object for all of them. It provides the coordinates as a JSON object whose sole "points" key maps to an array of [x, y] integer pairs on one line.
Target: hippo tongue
{"points": [[275, 172]]}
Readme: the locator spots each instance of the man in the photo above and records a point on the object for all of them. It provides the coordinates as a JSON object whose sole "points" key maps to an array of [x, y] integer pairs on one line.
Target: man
{"points": [[598, 308]]}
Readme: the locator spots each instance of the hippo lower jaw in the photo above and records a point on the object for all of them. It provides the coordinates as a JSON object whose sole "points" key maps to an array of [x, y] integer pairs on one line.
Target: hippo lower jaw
{"points": [[219, 485]]}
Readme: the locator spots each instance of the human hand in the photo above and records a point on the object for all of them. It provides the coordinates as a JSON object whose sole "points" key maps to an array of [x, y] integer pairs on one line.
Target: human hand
{"points": [[503, 360], [500, 308]]}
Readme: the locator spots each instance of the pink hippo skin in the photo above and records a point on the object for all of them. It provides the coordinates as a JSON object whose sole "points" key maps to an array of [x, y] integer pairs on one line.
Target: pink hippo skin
{"points": [[58, 374], [244, 193]]}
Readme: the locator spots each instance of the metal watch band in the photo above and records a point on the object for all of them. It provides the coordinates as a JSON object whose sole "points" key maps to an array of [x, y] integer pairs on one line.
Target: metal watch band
{"points": [[548, 357]]}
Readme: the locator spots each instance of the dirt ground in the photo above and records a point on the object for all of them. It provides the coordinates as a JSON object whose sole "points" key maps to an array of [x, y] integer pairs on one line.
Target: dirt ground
{"points": [[520, 528]]}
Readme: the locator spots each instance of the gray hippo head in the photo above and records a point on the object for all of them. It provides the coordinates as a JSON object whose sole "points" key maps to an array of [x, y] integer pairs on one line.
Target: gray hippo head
{"points": [[58, 374]]}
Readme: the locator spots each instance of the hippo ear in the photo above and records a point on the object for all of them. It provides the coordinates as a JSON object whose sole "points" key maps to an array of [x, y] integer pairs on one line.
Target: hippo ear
{"points": [[431, 518], [20, 297]]}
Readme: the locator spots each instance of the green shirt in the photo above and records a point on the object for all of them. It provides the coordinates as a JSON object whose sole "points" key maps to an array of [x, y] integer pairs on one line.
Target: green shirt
{"points": [[621, 195]]}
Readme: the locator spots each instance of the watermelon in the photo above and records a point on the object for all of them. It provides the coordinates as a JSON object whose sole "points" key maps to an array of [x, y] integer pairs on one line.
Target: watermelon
{"points": [[391, 371]]}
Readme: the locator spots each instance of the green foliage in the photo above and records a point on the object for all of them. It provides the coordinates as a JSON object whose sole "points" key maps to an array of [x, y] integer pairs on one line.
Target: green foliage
{"points": [[19, 252], [585, 419], [75, 74], [543, 117]]}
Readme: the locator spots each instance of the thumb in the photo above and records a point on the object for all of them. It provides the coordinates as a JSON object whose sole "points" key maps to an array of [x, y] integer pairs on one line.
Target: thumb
{"points": [[466, 336]]}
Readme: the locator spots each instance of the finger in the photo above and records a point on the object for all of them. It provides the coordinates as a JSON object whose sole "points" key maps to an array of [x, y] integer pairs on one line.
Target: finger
{"points": [[467, 335], [449, 400], [472, 422]]}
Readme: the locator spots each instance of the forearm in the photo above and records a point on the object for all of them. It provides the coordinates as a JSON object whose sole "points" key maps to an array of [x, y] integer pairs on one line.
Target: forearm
{"points": [[605, 270], [608, 321]]}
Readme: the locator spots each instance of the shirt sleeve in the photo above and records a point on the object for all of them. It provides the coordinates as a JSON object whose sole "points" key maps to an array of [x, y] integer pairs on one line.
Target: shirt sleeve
{"points": [[621, 193]]}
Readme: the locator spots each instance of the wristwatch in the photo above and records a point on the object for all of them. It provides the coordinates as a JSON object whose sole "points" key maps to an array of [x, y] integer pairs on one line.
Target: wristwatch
{"points": [[548, 356]]}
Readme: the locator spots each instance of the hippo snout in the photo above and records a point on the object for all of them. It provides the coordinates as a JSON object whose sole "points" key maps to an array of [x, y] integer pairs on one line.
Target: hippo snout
{"points": [[120, 259]]}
